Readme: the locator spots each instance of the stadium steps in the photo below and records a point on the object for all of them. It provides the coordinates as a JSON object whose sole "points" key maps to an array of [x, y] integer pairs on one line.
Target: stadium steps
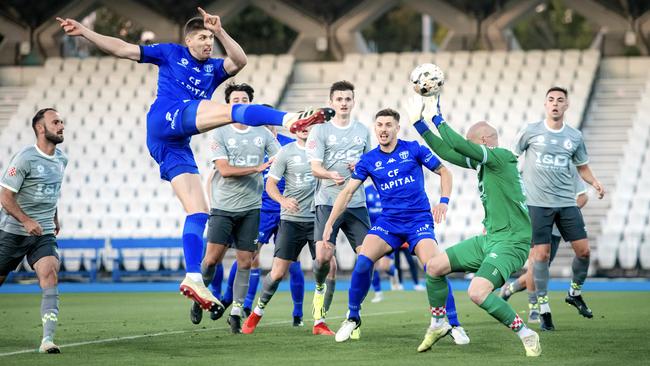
{"points": [[10, 97], [310, 85], [609, 118]]}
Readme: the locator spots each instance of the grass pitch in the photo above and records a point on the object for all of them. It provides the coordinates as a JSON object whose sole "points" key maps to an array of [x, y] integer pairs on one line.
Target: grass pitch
{"points": [[154, 329]]}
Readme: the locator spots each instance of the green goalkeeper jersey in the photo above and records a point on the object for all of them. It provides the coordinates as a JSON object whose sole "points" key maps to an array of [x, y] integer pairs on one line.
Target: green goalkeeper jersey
{"points": [[500, 185]]}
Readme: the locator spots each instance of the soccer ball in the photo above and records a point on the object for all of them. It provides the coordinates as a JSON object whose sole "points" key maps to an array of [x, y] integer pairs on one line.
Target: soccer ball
{"points": [[427, 79]]}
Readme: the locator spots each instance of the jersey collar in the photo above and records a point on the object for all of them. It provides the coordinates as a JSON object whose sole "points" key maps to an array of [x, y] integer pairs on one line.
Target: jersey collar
{"points": [[51, 157], [248, 128], [552, 130]]}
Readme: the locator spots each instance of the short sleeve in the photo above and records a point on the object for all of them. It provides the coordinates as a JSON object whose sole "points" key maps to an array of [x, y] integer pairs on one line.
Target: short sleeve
{"points": [[578, 183], [279, 165], [17, 170], [580, 156], [220, 74], [360, 171], [427, 158], [156, 54], [315, 145], [521, 142], [218, 146], [272, 144], [368, 139]]}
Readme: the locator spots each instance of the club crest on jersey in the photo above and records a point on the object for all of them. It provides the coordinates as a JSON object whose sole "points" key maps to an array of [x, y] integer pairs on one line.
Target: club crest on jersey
{"points": [[404, 155], [331, 139], [231, 142], [297, 159], [568, 144], [357, 140], [540, 139], [258, 141], [208, 68]]}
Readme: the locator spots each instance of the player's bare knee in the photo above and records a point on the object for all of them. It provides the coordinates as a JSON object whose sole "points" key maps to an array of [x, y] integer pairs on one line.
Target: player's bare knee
{"points": [[583, 252], [542, 253], [478, 292], [48, 277]]}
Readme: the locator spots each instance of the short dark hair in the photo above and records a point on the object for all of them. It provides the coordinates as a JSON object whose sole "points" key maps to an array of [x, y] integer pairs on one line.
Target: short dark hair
{"points": [[388, 112], [232, 87], [193, 25], [342, 85], [560, 89], [39, 116]]}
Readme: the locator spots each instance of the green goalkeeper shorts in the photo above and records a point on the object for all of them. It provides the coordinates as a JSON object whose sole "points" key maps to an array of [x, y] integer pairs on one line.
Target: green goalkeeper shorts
{"points": [[506, 253]]}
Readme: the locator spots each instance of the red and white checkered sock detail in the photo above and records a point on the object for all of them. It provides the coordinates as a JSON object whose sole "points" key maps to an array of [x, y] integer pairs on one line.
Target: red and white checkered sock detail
{"points": [[438, 312], [517, 324]]}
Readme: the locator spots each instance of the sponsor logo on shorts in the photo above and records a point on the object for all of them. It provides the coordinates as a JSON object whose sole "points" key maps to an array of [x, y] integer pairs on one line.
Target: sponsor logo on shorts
{"points": [[172, 119], [380, 229]]}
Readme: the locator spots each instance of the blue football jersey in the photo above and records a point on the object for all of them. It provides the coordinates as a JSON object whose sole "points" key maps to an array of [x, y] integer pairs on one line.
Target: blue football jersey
{"points": [[180, 75], [398, 176], [268, 203], [373, 202]]}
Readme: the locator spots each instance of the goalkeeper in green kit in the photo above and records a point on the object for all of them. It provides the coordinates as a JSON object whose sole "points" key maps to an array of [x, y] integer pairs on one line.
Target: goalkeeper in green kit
{"points": [[503, 249]]}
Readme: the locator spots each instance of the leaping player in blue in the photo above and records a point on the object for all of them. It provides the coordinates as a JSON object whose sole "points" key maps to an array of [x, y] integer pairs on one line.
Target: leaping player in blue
{"points": [[187, 77], [395, 167]]}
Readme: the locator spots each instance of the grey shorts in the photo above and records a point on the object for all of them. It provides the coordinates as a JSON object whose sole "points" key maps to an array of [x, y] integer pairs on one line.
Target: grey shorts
{"points": [[292, 237], [13, 248], [354, 222], [568, 220], [238, 228]]}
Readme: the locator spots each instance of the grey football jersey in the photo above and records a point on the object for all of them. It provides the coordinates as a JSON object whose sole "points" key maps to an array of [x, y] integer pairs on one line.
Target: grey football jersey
{"points": [[335, 147], [36, 179], [292, 164], [242, 148], [549, 155]]}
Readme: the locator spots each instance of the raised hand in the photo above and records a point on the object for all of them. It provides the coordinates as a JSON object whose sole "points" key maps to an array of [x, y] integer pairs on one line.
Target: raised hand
{"points": [[211, 22], [414, 107], [71, 27]]}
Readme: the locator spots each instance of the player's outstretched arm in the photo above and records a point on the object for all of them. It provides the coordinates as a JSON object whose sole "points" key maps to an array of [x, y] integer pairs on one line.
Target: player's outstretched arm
{"points": [[588, 176], [10, 205], [446, 182], [452, 138], [236, 59], [227, 171], [111, 45], [417, 115], [341, 203], [273, 191]]}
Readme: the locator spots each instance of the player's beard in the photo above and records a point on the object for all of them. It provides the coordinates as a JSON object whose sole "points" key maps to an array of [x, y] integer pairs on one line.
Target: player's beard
{"points": [[53, 137]]}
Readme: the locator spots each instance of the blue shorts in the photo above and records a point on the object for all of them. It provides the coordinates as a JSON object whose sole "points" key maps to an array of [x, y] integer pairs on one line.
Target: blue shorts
{"points": [[170, 127], [269, 223], [399, 230]]}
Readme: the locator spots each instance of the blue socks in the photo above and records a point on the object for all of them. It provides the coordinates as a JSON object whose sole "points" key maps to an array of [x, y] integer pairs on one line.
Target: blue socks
{"points": [[297, 285], [359, 285], [376, 281], [227, 296], [193, 241], [256, 115], [253, 282], [452, 316], [217, 280]]}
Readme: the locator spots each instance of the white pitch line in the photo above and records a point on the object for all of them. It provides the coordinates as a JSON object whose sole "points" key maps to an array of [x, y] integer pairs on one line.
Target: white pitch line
{"points": [[126, 338]]}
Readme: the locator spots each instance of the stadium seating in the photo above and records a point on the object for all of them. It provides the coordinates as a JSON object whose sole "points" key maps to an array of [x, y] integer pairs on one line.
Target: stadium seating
{"points": [[626, 232], [112, 189]]}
